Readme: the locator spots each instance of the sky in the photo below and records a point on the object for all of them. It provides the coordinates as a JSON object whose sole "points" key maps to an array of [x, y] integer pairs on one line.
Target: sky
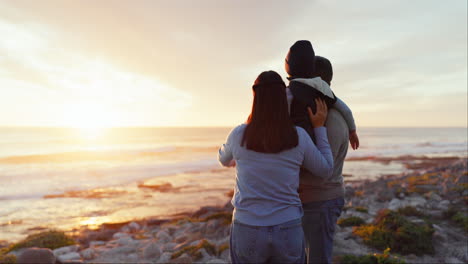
{"points": [[85, 63]]}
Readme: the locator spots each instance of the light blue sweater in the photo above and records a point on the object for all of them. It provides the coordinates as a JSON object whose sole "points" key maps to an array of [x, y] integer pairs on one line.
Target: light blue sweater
{"points": [[266, 184]]}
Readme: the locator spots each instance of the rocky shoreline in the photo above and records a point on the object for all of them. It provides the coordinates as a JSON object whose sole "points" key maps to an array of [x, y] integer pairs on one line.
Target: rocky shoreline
{"points": [[435, 197]]}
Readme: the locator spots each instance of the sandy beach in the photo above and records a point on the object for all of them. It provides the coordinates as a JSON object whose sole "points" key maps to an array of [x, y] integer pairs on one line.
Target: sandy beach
{"points": [[431, 193]]}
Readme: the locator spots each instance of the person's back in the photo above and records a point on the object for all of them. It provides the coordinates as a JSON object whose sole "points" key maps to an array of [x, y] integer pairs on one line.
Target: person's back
{"points": [[267, 183], [268, 152], [315, 188]]}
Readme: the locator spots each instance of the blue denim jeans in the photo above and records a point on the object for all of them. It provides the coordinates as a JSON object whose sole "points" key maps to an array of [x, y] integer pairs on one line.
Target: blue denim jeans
{"points": [[319, 222], [283, 243]]}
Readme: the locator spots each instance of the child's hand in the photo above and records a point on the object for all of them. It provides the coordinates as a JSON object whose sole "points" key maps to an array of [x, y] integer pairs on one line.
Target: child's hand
{"points": [[353, 139]]}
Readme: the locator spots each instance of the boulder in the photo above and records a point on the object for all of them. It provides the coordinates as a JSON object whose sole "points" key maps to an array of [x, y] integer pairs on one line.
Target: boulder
{"points": [[36, 255]]}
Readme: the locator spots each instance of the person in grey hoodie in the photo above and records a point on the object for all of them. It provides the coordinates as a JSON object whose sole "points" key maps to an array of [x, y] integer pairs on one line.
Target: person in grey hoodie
{"points": [[322, 196]]}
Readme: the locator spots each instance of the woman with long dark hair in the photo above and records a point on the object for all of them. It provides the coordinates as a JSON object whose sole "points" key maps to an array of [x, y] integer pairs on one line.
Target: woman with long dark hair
{"points": [[268, 152]]}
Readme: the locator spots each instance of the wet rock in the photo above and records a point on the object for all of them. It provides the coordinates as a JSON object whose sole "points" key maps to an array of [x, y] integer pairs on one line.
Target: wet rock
{"points": [[36, 255]]}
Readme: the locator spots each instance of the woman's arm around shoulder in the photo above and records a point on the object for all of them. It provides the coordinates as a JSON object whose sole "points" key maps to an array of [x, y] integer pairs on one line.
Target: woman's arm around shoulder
{"points": [[317, 159], [225, 153]]}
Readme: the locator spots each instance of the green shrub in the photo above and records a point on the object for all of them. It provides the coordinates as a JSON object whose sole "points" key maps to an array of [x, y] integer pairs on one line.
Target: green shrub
{"points": [[361, 209], [351, 221], [410, 211], [49, 239], [391, 229], [384, 258], [461, 219], [194, 250]]}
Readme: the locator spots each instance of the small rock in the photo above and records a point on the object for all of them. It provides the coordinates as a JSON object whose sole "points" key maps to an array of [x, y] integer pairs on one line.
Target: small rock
{"points": [[121, 250], [212, 226], [165, 257], [416, 201], [435, 197], [194, 243], [69, 256], [168, 247], [443, 205], [184, 258], [88, 253], [226, 255], [222, 241], [205, 256], [125, 241], [216, 260], [134, 226], [96, 243], [119, 235], [36, 255], [181, 238], [395, 204], [163, 236], [152, 250], [65, 250], [125, 229]]}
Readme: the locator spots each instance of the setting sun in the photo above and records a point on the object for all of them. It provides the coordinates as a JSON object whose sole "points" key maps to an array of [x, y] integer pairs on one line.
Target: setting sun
{"points": [[90, 119]]}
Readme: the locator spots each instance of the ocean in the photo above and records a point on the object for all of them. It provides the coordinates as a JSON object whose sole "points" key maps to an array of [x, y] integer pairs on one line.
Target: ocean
{"points": [[67, 178]]}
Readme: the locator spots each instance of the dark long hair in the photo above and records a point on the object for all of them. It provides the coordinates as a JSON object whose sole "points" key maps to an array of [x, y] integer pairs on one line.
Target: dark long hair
{"points": [[269, 127]]}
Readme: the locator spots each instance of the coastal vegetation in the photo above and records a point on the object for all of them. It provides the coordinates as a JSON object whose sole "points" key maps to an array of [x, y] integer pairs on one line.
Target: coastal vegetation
{"points": [[391, 229]]}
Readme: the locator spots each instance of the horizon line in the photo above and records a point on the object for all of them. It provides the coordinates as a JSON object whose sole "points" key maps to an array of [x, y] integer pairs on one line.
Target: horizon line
{"points": [[203, 126]]}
